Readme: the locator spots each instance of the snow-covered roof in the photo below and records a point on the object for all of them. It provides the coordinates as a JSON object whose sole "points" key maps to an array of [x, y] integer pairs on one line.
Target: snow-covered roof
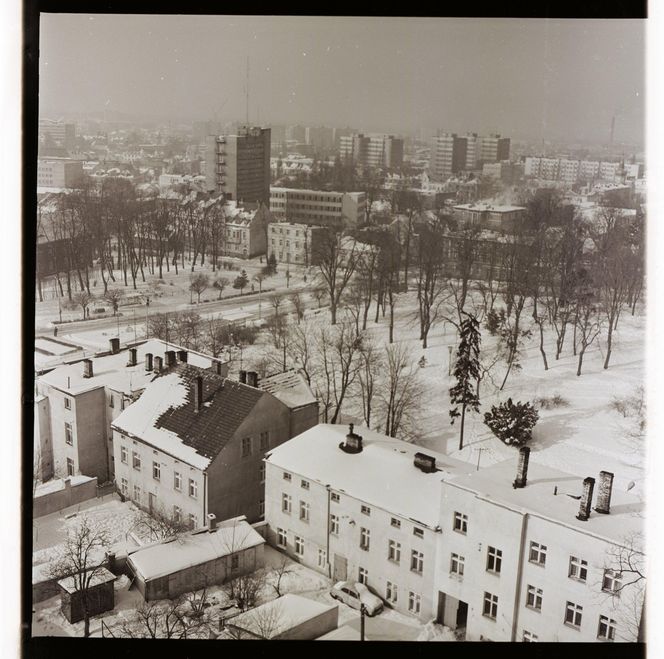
{"points": [[494, 483], [494, 208], [102, 575], [343, 633], [289, 387], [193, 549], [382, 474]]}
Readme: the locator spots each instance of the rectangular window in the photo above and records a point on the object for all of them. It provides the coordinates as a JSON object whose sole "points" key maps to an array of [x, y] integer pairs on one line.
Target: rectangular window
{"points": [[68, 402], [264, 441], [304, 484], [299, 546], [611, 582], [287, 476], [417, 532], [281, 537], [494, 560], [261, 472], [122, 403], [490, 608], [365, 538], [156, 471], [70, 467], [124, 487], [416, 561], [534, 598], [261, 507], [193, 488], [137, 493], [365, 510], [124, 454], [136, 460], [246, 447], [322, 558], [529, 637], [457, 564], [177, 514], [334, 497], [414, 602], [460, 522], [69, 437], [607, 628], [334, 524], [573, 614], [304, 511], [537, 553], [363, 576], [578, 568], [177, 481], [391, 592], [394, 551], [285, 503]]}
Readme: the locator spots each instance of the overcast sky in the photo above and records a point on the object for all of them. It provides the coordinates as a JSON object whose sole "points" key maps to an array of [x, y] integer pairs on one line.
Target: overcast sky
{"points": [[530, 78]]}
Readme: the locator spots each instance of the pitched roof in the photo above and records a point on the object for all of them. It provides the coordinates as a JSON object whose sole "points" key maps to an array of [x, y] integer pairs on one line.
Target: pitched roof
{"points": [[289, 387]]}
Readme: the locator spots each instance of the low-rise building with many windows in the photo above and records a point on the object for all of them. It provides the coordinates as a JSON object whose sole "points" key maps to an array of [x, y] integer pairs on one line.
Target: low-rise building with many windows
{"points": [[294, 243]]}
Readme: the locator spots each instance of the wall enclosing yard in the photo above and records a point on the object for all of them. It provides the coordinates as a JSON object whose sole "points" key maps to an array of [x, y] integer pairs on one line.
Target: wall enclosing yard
{"points": [[62, 494]]}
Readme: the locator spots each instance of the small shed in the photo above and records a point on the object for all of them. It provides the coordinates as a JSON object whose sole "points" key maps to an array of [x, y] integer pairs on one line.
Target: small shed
{"points": [[100, 594], [201, 558]]}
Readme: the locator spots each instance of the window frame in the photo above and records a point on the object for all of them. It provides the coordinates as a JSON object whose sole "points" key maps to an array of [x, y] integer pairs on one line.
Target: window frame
{"points": [[177, 481], [416, 561], [305, 510], [245, 450], [494, 560], [394, 551], [304, 484], [580, 566], [124, 455], [334, 496], [540, 550], [299, 545], [395, 523], [192, 490], [391, 592], [615, 579], [365, 538], [458, 561], [362, 575], [286, 503], [575, 609], [156, 470], [610, 625], [365, 510], [490, 611], [69, 434], [534, 597], [282, 534], [414, 602], [67, 400], [334, 524], [460, 523], [136, 461]]}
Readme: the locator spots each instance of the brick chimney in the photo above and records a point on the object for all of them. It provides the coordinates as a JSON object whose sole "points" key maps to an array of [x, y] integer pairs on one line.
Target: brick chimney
{"points": [[243, 377], [424, 462], [87, 368], [170, 358], [353, 443], [252, 379], [603, 502], [158, 364], [148, 361], [183, 356], [198, 393], [218, 367], [586, 499], [133, 353], [115, 345], [211, 524], [522, 468]]}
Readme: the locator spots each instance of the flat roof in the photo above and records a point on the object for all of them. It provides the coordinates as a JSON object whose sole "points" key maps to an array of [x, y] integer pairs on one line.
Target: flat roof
{"points": [[495, 208], [102, 575]]}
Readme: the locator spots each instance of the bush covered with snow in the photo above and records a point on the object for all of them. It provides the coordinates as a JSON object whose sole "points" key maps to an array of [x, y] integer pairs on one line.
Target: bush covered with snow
{"points": [[551, 402], [512, 423]]}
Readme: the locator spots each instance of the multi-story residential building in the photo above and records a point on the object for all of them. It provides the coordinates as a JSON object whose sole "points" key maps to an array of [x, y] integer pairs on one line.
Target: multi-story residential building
{"points": [[193, 444], [57, 133], [568, 170], [84, 398], [318, 207], [448, 155], [504, 171], [360, 506], [494, 148], [294, 243], [245, 230], [320, 137], [42, 445], [530, 559], [473, 144], [573, 171], [239, 165], [372, 150], [489, 216], [58, 172]]}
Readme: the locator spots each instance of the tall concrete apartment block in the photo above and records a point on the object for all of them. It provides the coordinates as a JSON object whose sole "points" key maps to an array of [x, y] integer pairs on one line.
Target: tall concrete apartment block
{"points": [[448, 155], [318, 207], [473, 142], [494, 148], [375, 150], [57, 132], [239, 165]]}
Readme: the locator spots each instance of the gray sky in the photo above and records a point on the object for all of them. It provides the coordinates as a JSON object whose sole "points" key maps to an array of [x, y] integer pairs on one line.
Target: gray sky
{"points": [[530, 78]]}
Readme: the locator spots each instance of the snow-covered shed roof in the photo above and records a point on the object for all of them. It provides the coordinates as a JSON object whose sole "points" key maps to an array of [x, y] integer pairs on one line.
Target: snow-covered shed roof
{"points": [[289, 387], [382, 474], [102, 575], [193, 549]]}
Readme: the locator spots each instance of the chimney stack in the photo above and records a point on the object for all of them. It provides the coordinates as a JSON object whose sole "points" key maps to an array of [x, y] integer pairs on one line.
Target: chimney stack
{"points": [[148, 361], [522, 469], [170, 358], [198, 393], [604, 492], [353, 443], [87, 368], [211, 524], [424, 462], [218, 367], [133, 353], [243, 377], [158, 364], [115, 345], [252, 379], [586, 499], [182, 356]]}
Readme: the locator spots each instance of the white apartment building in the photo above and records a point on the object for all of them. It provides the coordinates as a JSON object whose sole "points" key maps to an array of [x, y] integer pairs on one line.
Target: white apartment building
{"points": [[571, 171], [294, 243], [318, 207]]}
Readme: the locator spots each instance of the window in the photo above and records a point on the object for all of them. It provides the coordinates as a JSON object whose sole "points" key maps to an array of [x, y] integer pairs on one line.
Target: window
{"points": [[177, 514], [414, 602], [416, 561], [137, 493], [287, 476], [156, 471], [69, 437], [460, 522], [334, 524], [573, 614], [261, 507], [322, 558], [124, 487], [534, 598], [304, 484], [490, 609], [304, 511], [607, 628], [365, 538], [70, 467], [335, 497], [177, 481], [417, 532], [611, 582], [193, 488], [124, 454], [122, 403], [365, 510], [281, 537], [264, 440], [235, 562], [285, 503], [193, 522], [578, 568], [494, 560], [363, 576], [537, 553], [394, 551], [136, 460], [68, 402], [457, 564], [529, 637], [395, 523], [391, 592], [299, 545], [246, 447]]}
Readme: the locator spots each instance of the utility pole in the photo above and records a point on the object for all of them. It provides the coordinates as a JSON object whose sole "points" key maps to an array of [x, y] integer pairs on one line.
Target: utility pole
{"points": [[362, 613], [479, 455]]}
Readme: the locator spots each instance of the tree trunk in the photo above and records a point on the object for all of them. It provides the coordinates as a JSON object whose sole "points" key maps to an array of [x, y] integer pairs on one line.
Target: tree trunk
{"points": [[333, 313], [609, 341], [463, 420], [578, 370], [541, 346], [510, 361]]}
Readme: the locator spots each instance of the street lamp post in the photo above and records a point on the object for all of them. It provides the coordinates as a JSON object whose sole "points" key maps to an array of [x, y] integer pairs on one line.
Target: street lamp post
{"points": [[363, 611]]}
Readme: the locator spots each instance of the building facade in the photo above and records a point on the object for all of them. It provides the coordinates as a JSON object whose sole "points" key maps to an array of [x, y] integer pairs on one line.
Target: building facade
{"points": [[489, 216], [294, 243], [246, 230], [448, 155], [372, 150], [494, 148], [57, 133], [318, 207], [59, 172]]}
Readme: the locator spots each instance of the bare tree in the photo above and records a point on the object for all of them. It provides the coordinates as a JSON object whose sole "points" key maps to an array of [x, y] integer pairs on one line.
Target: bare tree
{"points": [[198, 282], [220, 284], [587, 322], [367, 377], [298, 304], [282, 570], [113, 296], [83, 299], [301, 349], [159, 525]]}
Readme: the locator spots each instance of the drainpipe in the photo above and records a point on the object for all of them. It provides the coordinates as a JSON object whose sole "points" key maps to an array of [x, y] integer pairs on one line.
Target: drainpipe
{"points": [[327, 536], [519, 576], [204, 495]]}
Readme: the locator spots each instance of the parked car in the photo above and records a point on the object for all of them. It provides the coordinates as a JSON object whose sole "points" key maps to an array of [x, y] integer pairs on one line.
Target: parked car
{"points": [[356, 595]]}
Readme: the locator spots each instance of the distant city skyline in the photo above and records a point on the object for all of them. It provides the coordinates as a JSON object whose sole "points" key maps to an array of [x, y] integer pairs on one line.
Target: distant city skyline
{"points": [[531, 79]]}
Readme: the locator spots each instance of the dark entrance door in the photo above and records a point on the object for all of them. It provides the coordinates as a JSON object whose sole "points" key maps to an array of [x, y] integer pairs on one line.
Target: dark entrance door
{"points": [[462, 614]]}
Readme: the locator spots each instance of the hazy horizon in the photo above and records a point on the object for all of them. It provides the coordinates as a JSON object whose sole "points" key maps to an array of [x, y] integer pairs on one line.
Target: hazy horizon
{"points": [[545, 79]]}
